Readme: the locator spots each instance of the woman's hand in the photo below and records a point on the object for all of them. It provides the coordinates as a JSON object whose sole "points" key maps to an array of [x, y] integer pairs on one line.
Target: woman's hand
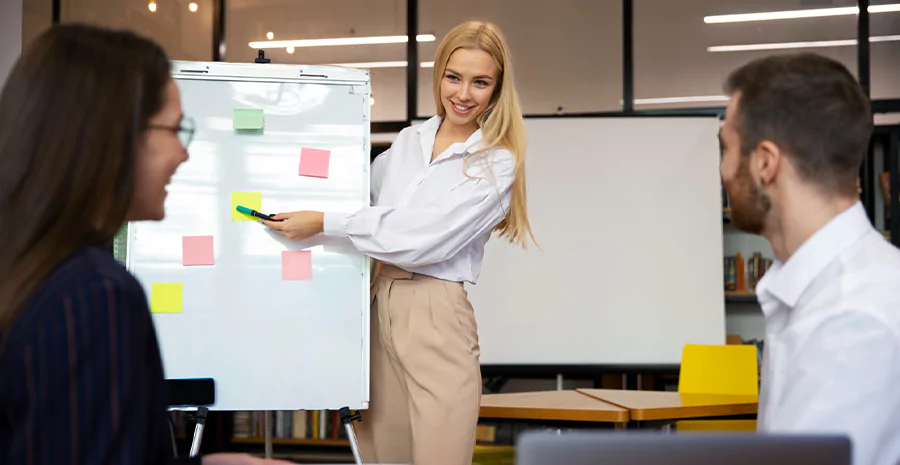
{"points": [[298, 225]]}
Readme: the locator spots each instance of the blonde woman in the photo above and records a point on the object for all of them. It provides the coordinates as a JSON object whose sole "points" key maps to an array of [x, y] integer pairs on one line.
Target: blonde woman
{"points": [[437, 194]]}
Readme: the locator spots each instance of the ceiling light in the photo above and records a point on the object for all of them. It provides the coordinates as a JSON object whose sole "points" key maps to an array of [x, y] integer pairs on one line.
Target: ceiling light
{"points": [[290, 49], [373, 64], [692, 99], [270, 35], [340, 41], [792, 45], [192, 7], [152, 7], [371, 101], [381, 64], [794, 14]]}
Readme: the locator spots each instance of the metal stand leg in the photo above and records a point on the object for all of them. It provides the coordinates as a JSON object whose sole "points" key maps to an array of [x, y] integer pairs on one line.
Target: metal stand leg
{"points": [[347, 419], [200, 416], [268, 427]]}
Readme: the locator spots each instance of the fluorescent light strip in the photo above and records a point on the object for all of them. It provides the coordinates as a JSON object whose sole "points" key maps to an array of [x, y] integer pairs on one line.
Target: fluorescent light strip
{"points": [[339, 41], [382, 64], [692, 99], [373, 64], [795, 14], [793, 45]]}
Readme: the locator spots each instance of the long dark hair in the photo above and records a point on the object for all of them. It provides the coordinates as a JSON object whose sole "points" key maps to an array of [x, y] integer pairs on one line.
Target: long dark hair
{"points": [[71, 115]]}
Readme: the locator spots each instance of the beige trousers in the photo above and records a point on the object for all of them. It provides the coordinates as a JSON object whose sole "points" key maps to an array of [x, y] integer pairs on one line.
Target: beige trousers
{"points": [[425, 372]]}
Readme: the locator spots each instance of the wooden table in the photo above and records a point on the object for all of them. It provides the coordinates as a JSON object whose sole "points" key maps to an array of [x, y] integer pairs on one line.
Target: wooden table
{"points": [[660, 405], [567, 405]]}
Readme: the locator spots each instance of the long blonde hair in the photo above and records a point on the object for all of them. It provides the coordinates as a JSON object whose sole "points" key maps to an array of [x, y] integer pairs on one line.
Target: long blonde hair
{"points": [[501, 123]]}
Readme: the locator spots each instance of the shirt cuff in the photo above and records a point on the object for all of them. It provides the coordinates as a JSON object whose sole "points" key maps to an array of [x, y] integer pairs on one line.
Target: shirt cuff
{"points": [[335, 224]]}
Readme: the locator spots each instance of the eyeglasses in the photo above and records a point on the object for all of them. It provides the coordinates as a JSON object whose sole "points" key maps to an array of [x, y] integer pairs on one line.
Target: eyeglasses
{"points": [[185, 130]]}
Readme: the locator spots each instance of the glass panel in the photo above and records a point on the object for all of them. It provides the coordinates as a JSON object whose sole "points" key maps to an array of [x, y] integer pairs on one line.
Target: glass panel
{"points": [[566, 54], [182, 27], [884, 49], [682, 61], [887, 119], [288, 20], [37, 17]]}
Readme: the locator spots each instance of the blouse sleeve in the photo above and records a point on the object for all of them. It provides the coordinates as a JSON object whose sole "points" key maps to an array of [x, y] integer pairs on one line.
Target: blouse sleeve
{"points": [[432, 233]]}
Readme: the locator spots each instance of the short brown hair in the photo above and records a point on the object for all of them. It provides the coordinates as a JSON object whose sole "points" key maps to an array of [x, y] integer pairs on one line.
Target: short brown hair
{"points": [[811, 107], [72, 112]]}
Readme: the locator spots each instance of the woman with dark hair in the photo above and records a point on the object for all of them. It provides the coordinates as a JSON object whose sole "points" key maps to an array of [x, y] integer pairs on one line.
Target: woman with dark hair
{"points": [[91, 132]]}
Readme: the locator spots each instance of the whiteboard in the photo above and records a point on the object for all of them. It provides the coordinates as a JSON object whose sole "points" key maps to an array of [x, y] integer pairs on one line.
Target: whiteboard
{"points": [[628, 213], [269, 343]]}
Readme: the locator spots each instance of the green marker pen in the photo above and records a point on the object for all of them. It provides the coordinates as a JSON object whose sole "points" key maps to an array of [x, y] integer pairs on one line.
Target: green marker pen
{"points": [[255, 213]]}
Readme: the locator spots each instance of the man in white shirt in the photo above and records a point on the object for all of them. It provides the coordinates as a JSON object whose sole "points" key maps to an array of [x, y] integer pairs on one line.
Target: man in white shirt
{"points": [[795, 133]]}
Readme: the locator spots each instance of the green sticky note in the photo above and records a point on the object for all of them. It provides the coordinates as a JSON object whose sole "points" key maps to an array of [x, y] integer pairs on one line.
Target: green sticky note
{"points": [[247, 119], [166, 297], [251, 200]]}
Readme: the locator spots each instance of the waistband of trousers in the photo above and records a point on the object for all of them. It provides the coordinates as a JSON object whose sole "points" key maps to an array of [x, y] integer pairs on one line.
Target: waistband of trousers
{"points": [[393, 272]]}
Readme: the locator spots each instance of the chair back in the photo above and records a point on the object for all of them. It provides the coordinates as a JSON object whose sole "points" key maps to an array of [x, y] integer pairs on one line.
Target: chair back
{"points": [[719, 369]]}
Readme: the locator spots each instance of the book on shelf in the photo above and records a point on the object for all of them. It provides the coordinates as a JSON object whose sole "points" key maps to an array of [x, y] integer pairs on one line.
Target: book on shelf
{"points": [[886, 188], [325, 425], [742, 275], [299, 424]]}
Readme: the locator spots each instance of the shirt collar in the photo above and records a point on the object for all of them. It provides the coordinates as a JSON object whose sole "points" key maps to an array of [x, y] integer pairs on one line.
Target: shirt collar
{"points": [[428, 131], [787, 281]]}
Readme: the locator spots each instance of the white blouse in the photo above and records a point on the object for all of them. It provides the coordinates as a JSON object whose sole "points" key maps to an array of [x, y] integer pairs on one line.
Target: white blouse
{"points": [[429, 217]]}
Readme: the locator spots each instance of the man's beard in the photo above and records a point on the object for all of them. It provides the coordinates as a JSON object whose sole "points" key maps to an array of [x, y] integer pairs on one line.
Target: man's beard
{"points": [[749, 205]]}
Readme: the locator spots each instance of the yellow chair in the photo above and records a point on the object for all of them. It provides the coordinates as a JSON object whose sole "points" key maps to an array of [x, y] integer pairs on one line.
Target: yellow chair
{"points": [[718, 369]]}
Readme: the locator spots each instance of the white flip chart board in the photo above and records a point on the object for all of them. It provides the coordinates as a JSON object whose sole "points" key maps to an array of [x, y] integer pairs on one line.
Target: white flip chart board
{"points": [[628, 212], [278, 324]]}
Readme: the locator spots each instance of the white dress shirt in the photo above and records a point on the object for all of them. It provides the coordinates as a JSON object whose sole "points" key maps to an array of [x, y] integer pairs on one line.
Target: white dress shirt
{"points": [[429, 217], [831, 362]]}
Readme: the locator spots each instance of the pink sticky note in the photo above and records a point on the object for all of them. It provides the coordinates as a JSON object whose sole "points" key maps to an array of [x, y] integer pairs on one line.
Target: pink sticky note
{"points": [[296, 265], [197, 250], [314, 162]]}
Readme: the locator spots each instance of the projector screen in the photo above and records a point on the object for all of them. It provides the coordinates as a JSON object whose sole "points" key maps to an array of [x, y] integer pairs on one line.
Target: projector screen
{"points": [[628, 214]]}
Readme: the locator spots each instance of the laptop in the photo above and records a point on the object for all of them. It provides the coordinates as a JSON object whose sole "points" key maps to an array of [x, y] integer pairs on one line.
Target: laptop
{"points": [[654, 448]]}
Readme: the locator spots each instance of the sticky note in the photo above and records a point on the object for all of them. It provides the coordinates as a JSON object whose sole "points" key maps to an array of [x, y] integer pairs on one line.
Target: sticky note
{"points": [[247, 119], [197, 251], [314, 162], [296, 265], [166, 297], [251, 200]]}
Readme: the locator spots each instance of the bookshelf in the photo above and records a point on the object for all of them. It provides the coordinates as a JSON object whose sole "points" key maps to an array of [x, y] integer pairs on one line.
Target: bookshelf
{"points": [[338, 451], [294, 441], [743, 315], [312, 437], [740, 297]]}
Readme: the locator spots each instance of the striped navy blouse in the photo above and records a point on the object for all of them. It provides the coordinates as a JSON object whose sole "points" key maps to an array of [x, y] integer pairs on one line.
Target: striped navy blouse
{"points": [[81, 379]]}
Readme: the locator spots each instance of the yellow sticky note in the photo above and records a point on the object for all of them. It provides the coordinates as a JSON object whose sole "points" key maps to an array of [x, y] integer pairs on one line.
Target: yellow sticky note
{"points": [[166, 297], [251, 200]]}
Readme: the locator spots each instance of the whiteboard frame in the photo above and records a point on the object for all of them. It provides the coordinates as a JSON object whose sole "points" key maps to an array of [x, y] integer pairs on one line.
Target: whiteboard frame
{"points": [[293, 74]]}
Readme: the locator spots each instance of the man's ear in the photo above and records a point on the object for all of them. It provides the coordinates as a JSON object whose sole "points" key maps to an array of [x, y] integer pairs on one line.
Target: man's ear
{"points": [[768, 159]]}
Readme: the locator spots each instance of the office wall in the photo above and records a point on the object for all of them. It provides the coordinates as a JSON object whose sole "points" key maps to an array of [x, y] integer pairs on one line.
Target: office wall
{"points": [[567, 53], [10, 35], [37, 17]]}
